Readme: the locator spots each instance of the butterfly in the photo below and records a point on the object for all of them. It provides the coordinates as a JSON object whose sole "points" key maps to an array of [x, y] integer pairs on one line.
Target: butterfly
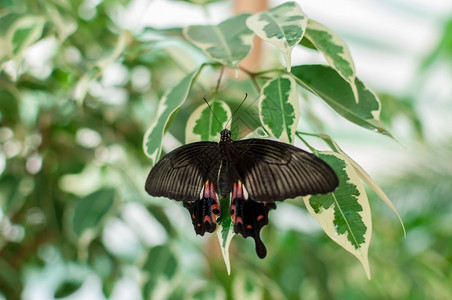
{"points": [[256, 173]]}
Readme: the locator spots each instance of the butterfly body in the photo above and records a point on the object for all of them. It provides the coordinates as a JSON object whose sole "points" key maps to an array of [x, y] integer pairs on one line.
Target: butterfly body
{"points": [[255, 172]]}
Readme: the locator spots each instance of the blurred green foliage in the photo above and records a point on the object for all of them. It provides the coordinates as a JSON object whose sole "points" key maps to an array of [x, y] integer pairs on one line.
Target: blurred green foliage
{"points": [[70, 134]]}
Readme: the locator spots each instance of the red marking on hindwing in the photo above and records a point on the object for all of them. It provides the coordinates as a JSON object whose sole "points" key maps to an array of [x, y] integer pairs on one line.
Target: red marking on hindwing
{"points": [[234, 191], [213, 195], [239, 190], [206, 190], [249, 227], [238, 220], [260, 217], [207, 219]]}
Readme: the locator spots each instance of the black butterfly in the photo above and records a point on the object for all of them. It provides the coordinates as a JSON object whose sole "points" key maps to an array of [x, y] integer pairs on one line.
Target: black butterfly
{"points": [[256, 172]]}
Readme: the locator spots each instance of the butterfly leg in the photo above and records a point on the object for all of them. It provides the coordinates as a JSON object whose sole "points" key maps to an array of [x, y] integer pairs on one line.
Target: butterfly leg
{"points": [[205, 211], [249, 216]]}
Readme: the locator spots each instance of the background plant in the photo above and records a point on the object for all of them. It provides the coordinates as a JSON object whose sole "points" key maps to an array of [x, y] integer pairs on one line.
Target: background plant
{"points": [[73, 208]]}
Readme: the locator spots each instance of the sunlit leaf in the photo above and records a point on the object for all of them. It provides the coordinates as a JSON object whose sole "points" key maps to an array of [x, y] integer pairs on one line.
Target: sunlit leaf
{"points": [[202, 124], [344, 214], [278, 107], [326, 83], [335, 51], [228, 42], [283, 26], [171, 101]]}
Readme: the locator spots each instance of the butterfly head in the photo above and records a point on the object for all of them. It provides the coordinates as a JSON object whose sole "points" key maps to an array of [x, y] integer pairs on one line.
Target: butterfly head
{"points": [[226, 136]]}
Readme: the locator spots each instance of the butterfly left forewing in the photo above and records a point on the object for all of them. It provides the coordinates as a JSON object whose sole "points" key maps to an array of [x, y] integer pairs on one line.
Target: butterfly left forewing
{"points": [[189, 174], [182, 173]]}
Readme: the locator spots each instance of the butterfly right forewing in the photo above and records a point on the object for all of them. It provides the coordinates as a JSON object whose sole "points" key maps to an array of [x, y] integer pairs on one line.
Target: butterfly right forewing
{"points": [[275, 171]]}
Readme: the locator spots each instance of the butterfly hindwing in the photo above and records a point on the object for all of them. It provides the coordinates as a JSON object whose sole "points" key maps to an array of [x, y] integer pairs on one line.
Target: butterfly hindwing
{"points": [[205, 211], [182, 173], [248, 216], [275, 171]]}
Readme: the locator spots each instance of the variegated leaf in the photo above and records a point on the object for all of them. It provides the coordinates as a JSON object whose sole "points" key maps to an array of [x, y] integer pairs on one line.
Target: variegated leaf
{"points": [[283, 26], [202, 124], [337, 93], [334, 50], [344, 214], [18, 32], [171, 101], [278, 108], [64, 23], [363, 175], [258, 133], [228, 42], [225, 233]]}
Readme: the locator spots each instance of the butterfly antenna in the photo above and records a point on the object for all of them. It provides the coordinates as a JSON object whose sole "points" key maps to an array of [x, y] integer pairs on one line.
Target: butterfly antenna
{"points": [[210, 107], [246, 96]]}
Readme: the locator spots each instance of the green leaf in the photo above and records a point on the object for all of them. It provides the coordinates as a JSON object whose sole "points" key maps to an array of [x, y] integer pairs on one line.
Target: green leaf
{"points": [[247, 286], [90, 212], [161, 261], [334, 50], [363, 175], [171, 101], [278, 107], [66, 288], [208, 291], [283, 26], [345, 213], [202, 124], [225, 232], [337, 93], [18, 33], [228, 42], [160, 267]]}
